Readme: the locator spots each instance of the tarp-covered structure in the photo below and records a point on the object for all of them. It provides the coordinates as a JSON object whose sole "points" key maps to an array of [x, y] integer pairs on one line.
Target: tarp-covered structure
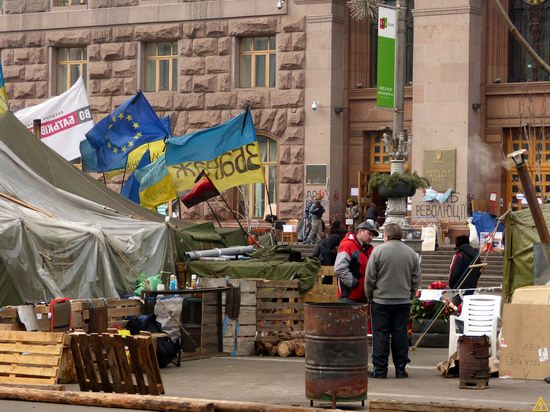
{"points": [[271, 263], [64, 234], [520, 235]]}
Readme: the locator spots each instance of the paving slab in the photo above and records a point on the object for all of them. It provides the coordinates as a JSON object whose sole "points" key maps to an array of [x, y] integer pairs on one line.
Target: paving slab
{"points": [[281, 381]]}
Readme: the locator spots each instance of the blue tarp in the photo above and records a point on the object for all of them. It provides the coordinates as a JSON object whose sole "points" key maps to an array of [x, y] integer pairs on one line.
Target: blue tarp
{"points": [[485, 222]]}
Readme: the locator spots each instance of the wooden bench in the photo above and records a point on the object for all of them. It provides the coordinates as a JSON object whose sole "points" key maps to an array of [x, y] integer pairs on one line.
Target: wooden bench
{"points": [[104, 365], [30, 358]]}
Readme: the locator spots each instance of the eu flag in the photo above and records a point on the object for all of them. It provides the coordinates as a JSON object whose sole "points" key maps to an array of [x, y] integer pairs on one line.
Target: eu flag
{"points": [[132, 124]]}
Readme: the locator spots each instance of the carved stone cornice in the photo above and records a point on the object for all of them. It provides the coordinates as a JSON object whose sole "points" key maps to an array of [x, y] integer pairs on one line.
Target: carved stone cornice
{"points": [[329, 18], [444, 11]]}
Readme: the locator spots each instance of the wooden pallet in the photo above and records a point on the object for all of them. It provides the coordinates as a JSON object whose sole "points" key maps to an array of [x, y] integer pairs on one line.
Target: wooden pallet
{"points": [[103, 364], [30, 358], [280, 307], [320, 292]]}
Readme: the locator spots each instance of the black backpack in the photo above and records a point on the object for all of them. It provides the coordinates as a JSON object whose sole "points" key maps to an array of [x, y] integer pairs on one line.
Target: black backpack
{"points": [[168, 351]]}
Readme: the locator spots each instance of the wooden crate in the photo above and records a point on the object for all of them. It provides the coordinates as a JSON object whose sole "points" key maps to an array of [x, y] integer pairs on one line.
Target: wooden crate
{"points": [[236, 340], [30, 358], [320, 292], [280, 307], [114, 363]]}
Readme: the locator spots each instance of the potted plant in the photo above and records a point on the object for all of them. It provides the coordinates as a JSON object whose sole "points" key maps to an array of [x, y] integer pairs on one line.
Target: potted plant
{"points": [[396, 184]]}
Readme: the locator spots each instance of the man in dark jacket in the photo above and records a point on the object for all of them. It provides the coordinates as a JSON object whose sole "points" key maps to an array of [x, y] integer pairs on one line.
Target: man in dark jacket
{"points": [[459, 274], [351, 263], [326, 251]]}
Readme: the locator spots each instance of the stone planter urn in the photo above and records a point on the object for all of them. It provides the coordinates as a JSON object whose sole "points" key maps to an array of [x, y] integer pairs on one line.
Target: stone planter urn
{"points": [[437, 336], [401, 189]]}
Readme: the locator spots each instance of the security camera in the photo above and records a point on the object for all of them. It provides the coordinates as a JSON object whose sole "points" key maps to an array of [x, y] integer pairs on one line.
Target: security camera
{"points": [[280, 4], [314, 105]]}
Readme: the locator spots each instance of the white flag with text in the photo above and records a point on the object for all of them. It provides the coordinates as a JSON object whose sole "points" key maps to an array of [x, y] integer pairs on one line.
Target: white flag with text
{"points": [[65, 120]]}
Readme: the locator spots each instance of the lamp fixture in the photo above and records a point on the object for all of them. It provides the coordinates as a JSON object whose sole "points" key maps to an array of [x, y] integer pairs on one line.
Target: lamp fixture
{"points": [[280, 4], [476, 106], [518, 156], [338, 109], [315, 105]]}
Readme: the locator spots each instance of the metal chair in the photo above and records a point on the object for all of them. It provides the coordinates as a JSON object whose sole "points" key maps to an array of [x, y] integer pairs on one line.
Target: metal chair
{"points": [[480, 314]]}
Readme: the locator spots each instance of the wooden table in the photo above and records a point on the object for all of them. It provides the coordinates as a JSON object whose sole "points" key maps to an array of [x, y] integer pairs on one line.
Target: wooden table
{"points": [[149, 307]]}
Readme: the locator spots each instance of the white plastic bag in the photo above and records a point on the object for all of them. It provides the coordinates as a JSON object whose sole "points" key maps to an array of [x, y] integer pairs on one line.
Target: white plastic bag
{"points": [[474, 240]]}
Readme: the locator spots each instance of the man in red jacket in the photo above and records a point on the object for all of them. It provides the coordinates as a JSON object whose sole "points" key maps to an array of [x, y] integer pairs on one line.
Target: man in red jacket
{"points": [[351, 262]]}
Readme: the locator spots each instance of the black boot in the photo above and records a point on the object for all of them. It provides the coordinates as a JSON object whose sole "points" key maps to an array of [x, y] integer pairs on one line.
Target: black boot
{"points": [[401, 373], [378, 373]]}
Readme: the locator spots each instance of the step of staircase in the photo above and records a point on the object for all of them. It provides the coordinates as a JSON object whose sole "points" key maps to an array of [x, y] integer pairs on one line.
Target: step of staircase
{"points": [[435, 265]]}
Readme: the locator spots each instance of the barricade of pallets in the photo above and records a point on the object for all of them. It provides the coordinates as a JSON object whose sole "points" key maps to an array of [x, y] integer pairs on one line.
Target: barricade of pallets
{"points": [[280, 307], [114, 363], [323, 292], [30, 358]]}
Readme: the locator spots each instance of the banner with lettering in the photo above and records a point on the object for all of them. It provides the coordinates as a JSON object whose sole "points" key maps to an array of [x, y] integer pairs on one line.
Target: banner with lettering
{"points": [[235, 167], [65, 120], [387, 18], [228, 153]]}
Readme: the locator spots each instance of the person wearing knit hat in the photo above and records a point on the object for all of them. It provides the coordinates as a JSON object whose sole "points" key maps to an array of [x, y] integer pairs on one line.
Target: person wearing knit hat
{"points": [[326, 251]]}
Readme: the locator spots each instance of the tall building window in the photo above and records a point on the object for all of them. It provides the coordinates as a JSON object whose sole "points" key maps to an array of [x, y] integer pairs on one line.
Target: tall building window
{"points": [[257, 62], [537, 142], [533, 22], [161, 66], [410, 44], [255, 193], [69, 2], [71, 63]]}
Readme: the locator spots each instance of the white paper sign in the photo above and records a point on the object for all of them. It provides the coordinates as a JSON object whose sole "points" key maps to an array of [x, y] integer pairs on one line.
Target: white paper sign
{"points": [[430, 294]]}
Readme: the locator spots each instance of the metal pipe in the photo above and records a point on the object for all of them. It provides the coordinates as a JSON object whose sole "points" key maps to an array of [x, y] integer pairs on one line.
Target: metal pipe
{"points": [[227, 251]]}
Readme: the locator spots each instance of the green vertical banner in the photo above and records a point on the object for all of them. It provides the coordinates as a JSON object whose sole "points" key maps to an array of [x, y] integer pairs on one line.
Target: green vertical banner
{"points": [[387, 19]]}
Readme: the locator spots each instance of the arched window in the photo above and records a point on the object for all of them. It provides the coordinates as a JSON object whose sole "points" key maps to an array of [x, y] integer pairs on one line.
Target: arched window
{"points": [[258, 202], [533, 22]]}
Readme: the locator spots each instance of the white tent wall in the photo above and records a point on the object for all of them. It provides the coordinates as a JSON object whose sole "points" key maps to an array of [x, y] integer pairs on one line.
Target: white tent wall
{"points": [[54, 243]]}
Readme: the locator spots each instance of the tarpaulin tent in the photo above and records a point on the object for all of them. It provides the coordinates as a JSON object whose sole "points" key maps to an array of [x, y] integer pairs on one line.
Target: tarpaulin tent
{"points": [[64, 234], [520, 234], [270, 263]]}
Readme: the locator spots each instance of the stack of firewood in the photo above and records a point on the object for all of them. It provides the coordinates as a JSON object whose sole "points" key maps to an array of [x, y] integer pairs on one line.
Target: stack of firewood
{"points": [[283, 344]]}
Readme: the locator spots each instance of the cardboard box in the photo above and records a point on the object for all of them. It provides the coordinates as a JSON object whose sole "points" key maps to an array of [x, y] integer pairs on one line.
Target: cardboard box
{"points": [[532, 295], [525, 345]]}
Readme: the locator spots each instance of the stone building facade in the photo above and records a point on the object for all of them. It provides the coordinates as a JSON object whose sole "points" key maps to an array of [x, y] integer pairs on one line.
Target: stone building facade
{"points": [[115, 32]]}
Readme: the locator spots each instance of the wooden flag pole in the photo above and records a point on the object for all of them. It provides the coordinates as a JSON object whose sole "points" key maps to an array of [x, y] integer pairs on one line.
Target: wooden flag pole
{"points": [[36, 125]]}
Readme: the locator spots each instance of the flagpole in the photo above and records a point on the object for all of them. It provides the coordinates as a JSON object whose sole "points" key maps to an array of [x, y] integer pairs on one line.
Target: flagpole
{"points": [[214, 213], [234, 216], [269, 200]]}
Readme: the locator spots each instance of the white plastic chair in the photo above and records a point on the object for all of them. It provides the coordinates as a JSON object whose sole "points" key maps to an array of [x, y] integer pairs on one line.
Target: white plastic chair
{"points": [[480, 314]]}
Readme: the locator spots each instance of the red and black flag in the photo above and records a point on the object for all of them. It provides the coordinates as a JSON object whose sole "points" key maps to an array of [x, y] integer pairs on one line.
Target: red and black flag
{"points": [[203, 190]]}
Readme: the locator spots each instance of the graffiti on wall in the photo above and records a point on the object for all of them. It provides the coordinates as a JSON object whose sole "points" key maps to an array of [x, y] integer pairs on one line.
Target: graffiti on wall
{"points": [[453, 209]]}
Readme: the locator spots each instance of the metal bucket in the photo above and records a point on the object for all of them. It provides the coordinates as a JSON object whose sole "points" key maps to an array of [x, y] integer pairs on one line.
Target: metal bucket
{"points": [[473, 355], [336, 352]]}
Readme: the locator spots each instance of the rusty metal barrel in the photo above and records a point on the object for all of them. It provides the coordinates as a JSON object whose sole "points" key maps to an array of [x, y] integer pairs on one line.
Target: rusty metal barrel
{"points": [[336, 352], [473, 356]]}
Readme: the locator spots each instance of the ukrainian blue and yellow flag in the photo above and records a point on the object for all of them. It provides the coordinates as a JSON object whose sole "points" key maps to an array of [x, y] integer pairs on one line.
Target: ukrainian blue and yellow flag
{"points": [[131, 125], [156, 186], [3, 94], [228, 153]]}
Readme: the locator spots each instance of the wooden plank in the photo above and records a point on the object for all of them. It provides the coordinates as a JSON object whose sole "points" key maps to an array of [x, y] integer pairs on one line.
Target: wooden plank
{"points": [[152, 355], [29, 359], [31, 337], [101, 363], [39, 372], [122, 312], [277, 284], [279, 328], [145, 363], [278, 294], [39, 386], [116, 382], [280, 316], [83, 382], [130, 342], [88, 362], [262, 305], [20, 347], [27, 380], [122, 361]]}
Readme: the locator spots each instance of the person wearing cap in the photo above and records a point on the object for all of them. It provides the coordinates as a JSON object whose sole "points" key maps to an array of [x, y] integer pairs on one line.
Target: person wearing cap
{"points": [[351, 262], [352, 213], [391, 281]]}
